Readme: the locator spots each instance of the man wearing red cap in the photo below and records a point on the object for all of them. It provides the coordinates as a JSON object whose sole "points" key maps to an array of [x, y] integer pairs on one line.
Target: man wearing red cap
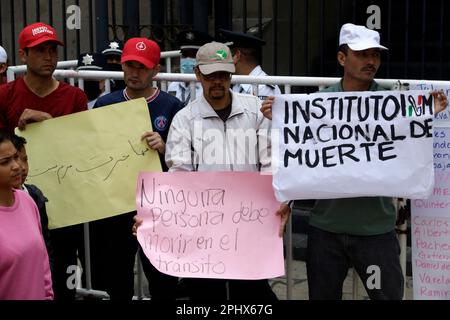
{"points": [[37, 97], [140, 63]]}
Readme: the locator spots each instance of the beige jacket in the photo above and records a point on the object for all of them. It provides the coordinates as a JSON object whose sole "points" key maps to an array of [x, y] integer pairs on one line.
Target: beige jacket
{"points": [[200, 141]]}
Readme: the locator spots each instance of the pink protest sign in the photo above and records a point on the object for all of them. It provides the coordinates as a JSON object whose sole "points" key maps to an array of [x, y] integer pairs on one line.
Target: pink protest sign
{"points": [[210, 224]]}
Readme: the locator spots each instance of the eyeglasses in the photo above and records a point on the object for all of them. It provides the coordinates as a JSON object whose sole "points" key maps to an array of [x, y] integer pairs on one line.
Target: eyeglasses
{"points": [[220, 75]]}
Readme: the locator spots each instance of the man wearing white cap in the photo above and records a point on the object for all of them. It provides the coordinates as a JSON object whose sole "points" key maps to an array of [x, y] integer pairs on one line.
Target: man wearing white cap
{"points": [[220, 111], [357, 232], [3, 64], [359, 54], [354, 232]]}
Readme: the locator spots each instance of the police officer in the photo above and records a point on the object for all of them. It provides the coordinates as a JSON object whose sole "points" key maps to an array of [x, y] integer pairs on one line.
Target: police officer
{"points": [[189, 42], [113, 52], [246, 50], [92, 88]]}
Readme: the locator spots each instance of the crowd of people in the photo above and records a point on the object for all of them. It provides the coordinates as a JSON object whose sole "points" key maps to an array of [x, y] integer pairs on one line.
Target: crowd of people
{"points": [[344, 232]]}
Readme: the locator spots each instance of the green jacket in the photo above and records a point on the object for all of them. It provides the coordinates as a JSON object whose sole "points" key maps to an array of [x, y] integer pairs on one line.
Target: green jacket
{"points": [[356, 216]]}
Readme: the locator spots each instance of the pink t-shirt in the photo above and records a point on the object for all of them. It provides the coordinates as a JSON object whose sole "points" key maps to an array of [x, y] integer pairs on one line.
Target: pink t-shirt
{"points": [[24, 267]]}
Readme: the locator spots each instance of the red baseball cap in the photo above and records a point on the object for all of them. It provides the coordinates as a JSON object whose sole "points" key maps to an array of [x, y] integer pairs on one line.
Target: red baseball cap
{"points": [[141, 50], [37, 33]]}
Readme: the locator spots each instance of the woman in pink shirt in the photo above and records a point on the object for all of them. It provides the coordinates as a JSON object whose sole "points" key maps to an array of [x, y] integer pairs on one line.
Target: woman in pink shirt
{"points": [[24, 267]]}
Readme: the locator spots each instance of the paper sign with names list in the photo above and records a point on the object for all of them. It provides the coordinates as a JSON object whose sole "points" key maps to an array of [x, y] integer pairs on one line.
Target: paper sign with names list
{"points": [[430, 228]]}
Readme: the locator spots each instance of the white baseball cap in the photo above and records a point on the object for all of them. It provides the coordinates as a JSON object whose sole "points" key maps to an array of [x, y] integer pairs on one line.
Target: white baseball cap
{"points": [[3, 55], [359, 37]]}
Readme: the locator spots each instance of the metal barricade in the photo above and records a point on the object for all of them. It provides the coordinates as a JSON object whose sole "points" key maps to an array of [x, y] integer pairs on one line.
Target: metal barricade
{"points": [[72, 64]]}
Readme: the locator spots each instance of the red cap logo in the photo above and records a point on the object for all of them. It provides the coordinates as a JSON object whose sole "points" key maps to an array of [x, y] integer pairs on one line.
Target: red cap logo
{"points": [[141, 46], [37, 33], [142, 50]]}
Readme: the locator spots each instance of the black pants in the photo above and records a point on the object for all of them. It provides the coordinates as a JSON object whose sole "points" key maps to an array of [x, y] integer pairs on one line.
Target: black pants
{"points": [[113, 251], [330, 255], [160, 285], [65, 243]]}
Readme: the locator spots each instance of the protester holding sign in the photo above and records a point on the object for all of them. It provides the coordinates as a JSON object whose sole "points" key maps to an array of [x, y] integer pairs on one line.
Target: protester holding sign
{"points": [[114, 266], [38, 97], [356, 232], [203, 137]]}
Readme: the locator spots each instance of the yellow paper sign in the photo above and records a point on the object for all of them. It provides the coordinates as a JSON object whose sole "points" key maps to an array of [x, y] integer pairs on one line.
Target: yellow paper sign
{"points": [[87, 163]]}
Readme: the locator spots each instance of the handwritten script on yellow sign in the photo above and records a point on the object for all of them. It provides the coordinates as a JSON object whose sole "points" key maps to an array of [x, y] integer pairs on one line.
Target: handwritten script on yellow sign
{"points": [[87, 163]]}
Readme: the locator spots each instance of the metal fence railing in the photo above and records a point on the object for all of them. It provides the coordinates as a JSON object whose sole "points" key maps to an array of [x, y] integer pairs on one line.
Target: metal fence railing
{"points": [[13, 71]]}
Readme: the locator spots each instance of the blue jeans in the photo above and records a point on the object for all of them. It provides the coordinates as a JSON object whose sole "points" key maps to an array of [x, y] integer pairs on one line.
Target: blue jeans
{"points": [[330, 255]]}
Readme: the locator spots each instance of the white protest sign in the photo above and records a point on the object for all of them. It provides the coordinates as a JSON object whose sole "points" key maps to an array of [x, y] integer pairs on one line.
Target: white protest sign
{"points": [[352, 144], [430, 228]]}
